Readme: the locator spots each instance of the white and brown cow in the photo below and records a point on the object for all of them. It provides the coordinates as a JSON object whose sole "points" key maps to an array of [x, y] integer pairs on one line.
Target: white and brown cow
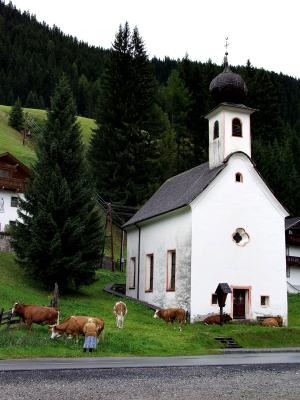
{"points": [[120, 310], [171, 315], [73, 327], [31, 313]]}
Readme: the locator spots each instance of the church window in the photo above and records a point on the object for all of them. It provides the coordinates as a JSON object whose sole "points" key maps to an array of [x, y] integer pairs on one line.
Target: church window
{"points": [[131, 276], [214, 299], [240, 237], [288, 271], [264, 301], [171, 270], [149, 273], [216, 130], [236, 127], [239, 177]]}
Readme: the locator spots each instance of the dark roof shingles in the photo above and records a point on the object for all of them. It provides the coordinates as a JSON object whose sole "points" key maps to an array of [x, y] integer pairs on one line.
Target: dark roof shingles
{"points": [[177, 192]]}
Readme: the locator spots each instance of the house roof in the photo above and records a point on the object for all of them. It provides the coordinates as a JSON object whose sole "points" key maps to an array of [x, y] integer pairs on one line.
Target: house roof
{"points": [[14, 161], [177, 192], [290, 222]]}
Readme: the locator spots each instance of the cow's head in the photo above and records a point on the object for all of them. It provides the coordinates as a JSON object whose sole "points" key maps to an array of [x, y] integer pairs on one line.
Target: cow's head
{"points": [[17, 308], [156, 314], [54, 332]]}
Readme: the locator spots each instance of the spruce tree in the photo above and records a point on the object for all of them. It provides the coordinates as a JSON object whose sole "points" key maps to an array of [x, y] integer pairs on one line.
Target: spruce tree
{"points": [[16, 116], [123, 146], [59, 236], [177, 102]]}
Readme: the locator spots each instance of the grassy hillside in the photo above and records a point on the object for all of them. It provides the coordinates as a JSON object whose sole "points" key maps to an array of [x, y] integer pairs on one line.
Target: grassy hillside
{"points": [[142, 334], [11, 140]]}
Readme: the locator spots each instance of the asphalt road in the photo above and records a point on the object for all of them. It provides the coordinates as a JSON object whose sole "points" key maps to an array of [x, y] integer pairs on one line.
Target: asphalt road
{"points": [[235, 382], [136, 362]]}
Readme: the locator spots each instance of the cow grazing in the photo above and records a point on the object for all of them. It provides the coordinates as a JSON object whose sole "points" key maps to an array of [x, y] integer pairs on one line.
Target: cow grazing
{"points": [[30, 314], [273, 321], [215, 319], [120, 310], [73, 327], [171, 315]]}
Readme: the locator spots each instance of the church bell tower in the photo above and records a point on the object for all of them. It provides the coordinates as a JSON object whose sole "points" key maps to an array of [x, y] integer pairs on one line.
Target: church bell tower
{"points": [[229, 122]]}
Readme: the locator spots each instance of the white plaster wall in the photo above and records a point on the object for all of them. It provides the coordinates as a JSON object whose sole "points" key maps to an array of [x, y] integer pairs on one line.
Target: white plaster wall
{"points": [[233, 143], [227, 144], [224, 206], [9, 213], [171, 232]]}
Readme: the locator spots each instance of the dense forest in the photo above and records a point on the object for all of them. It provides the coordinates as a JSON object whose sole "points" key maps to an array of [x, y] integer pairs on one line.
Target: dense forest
{"points": [[170, 132]]}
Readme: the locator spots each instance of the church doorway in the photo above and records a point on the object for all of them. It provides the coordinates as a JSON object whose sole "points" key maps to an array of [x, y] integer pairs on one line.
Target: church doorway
{"points": [[240, 300]]}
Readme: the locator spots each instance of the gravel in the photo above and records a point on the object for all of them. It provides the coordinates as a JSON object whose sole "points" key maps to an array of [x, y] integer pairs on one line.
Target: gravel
{"points": [[225, 382]]}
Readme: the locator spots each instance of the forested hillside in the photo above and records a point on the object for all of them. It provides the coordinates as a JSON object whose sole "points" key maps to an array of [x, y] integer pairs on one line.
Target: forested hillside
{"points": [[33, 56]]}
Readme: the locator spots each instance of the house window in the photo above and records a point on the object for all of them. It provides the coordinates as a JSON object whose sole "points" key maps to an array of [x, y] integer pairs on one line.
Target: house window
{"points": [[236, 127], [214, 299], [239, 177], [171, 270], [4, 173], [264, 301], [131, 273], [288, 271], [14, 201], [149, 273], [216, 130]]}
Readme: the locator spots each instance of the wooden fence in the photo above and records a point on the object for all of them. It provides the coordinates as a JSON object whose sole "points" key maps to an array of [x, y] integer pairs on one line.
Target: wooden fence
{"points": [[6, 318]]}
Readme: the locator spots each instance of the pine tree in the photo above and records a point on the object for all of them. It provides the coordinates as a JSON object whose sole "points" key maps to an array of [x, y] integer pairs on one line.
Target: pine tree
{"points": [[177, 102], [59, 237], [123, 146], [16, 116]]}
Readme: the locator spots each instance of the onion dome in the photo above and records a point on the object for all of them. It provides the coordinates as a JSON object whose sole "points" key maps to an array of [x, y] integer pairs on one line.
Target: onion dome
{"points": [[228, 87]]}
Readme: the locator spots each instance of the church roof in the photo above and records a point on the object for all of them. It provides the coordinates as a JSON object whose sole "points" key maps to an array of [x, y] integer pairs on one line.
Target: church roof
{"points": [[177, 192], [290, 222]]}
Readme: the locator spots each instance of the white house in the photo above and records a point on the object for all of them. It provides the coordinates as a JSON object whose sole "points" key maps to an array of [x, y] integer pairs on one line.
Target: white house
{"points": [[218, 222], [13, 176], [292, 228]]}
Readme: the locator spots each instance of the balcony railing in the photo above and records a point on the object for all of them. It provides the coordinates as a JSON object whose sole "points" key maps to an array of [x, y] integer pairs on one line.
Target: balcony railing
{"points": [[292, 260], [13, 184]]}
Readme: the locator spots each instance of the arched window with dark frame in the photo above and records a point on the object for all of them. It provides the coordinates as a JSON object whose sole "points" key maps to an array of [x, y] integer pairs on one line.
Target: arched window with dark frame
{"points": [[237, 127], [216, 130]]}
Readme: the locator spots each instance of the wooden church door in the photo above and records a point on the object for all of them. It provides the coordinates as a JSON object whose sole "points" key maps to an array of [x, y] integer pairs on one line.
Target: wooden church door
{"points": [[239, 303]]}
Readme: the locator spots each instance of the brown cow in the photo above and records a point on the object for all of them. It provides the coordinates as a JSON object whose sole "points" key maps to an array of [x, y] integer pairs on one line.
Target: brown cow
{"points": [[73, 326], [120, 310], [215, 319], [171, 315], [30, 314], [273, 321]]}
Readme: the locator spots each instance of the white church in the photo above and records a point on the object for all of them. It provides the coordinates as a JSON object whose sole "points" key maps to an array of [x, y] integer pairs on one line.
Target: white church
{"points": [[218, 222]]}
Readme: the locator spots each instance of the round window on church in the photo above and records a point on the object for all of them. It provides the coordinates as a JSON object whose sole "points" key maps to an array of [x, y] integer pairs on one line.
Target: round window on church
{"points": [[240, 237]]}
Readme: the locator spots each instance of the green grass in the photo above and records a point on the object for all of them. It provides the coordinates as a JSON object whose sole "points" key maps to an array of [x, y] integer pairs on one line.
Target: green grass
{"points": [[142, 335], [11, 140]]}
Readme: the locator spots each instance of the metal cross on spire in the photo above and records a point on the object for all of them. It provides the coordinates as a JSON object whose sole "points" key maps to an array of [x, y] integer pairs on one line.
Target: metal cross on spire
{"points": [[226, 45], [226, 68]]}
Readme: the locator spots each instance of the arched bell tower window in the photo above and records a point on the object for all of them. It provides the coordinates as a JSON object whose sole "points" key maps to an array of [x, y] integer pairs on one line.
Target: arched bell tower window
{"points": [[239, 177], [216, 130], [237, 127]]}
